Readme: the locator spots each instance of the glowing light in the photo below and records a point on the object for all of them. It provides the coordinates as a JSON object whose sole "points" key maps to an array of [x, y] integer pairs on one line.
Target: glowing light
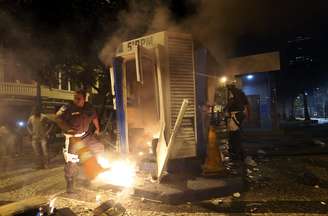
{"points": [[140, 153], [21, 123], [121, 173], [250, 77], [103, 162], [223, 79], [149, 143]]}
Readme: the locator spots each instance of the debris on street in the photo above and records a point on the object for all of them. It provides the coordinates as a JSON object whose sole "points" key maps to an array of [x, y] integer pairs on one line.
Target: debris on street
{"points": [[109, 208], [236, 195], [250, 162], [260, 151], [319, 142], [310, 179], [217, 201]]}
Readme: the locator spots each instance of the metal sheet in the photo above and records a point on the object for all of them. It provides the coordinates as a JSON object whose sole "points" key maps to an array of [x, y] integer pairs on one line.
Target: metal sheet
{"points": [[182, 86], [166, 152]]}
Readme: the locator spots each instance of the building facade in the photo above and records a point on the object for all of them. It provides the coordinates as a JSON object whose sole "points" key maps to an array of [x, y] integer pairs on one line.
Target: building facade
{"points": [[256, 76], [18, 91]]}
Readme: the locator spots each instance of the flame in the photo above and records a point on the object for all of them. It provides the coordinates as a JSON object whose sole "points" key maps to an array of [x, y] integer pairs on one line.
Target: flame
{"points": [[121, 173], [104, 163]]}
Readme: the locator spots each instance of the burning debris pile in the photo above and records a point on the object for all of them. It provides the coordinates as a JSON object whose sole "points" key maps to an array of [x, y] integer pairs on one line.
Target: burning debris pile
{"points": [[120, 172], [110, 208]]}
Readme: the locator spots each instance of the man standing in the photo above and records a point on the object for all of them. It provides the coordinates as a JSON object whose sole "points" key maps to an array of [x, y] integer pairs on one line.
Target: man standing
{"points": [[39, 129], [238, 109], [7, 146], [76, 118]]}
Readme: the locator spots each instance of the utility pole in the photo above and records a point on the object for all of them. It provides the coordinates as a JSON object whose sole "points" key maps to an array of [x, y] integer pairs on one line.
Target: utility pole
{"points": [[38, 99], [306, 108]]}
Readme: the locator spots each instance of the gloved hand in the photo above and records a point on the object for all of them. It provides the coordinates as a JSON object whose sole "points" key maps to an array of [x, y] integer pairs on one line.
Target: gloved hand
{"points": [[97, 132], [71, 132]]}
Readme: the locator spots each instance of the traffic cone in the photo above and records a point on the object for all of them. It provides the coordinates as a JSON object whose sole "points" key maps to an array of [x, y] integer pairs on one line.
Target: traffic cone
{"points": [[213, 163], [88, 160], [91, 168]]}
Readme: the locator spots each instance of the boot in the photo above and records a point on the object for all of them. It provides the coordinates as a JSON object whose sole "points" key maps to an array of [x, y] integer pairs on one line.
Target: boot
{"points": [[70, 185], [45, 162]]}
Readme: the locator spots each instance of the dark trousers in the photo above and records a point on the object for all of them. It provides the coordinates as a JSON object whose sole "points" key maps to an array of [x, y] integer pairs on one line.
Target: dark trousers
{"points": [[237, 153], [236, 148]]}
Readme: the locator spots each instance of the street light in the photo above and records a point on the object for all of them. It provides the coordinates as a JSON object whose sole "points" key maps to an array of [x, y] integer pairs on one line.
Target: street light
{"points": [[223, 79], [20, 123], [250, 77]]}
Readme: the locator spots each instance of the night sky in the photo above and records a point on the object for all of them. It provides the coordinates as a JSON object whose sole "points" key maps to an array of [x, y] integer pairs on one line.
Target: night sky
{"points": [[248, 25], [44, 35]]}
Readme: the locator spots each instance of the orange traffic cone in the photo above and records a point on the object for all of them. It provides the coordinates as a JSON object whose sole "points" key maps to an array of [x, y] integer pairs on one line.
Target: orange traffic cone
{"points": [[213, 163], [88, 160], [91, 168]]}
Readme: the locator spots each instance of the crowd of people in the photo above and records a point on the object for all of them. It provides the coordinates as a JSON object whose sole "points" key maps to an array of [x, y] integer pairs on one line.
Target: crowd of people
{"points": [[21, 138], [10, 142]]}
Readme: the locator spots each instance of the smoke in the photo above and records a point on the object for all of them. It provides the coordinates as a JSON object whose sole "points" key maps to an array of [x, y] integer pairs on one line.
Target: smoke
{"points": [[139, 19], [22, 52], [217, 25], [209, 24]]}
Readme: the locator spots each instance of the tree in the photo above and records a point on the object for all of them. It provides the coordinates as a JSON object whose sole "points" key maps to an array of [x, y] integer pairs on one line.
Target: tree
{"points": [[30, 29]]}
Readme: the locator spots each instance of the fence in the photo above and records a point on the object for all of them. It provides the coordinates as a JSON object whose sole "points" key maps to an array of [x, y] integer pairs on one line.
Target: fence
{"points": [[29, 90]]}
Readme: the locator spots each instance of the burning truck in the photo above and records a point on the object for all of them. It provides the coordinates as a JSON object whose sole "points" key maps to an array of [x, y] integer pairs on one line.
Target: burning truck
{"points": [[161, 83]]}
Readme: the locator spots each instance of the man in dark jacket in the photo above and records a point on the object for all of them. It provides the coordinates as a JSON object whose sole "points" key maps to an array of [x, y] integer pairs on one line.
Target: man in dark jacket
{"points": [[238, 109], [77, 117]]}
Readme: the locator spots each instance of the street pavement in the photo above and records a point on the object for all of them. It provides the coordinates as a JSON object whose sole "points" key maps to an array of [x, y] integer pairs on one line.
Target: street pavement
{"points": [[278, 184]]}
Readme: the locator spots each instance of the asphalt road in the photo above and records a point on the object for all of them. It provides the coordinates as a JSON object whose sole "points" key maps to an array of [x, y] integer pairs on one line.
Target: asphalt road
{"points": [[278, 185]]}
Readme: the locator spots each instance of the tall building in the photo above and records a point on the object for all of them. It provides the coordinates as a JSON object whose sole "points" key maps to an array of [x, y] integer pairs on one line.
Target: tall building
{"points": [[304, 63], [300, 51], [256, 75]]}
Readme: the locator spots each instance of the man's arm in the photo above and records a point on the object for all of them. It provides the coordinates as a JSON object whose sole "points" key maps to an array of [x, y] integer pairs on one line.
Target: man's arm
{"points": [[50, 127], [46, 124], [95, 122], [247, 111], [28, 125], [59, 119], [247, 107], [94, 117]]}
